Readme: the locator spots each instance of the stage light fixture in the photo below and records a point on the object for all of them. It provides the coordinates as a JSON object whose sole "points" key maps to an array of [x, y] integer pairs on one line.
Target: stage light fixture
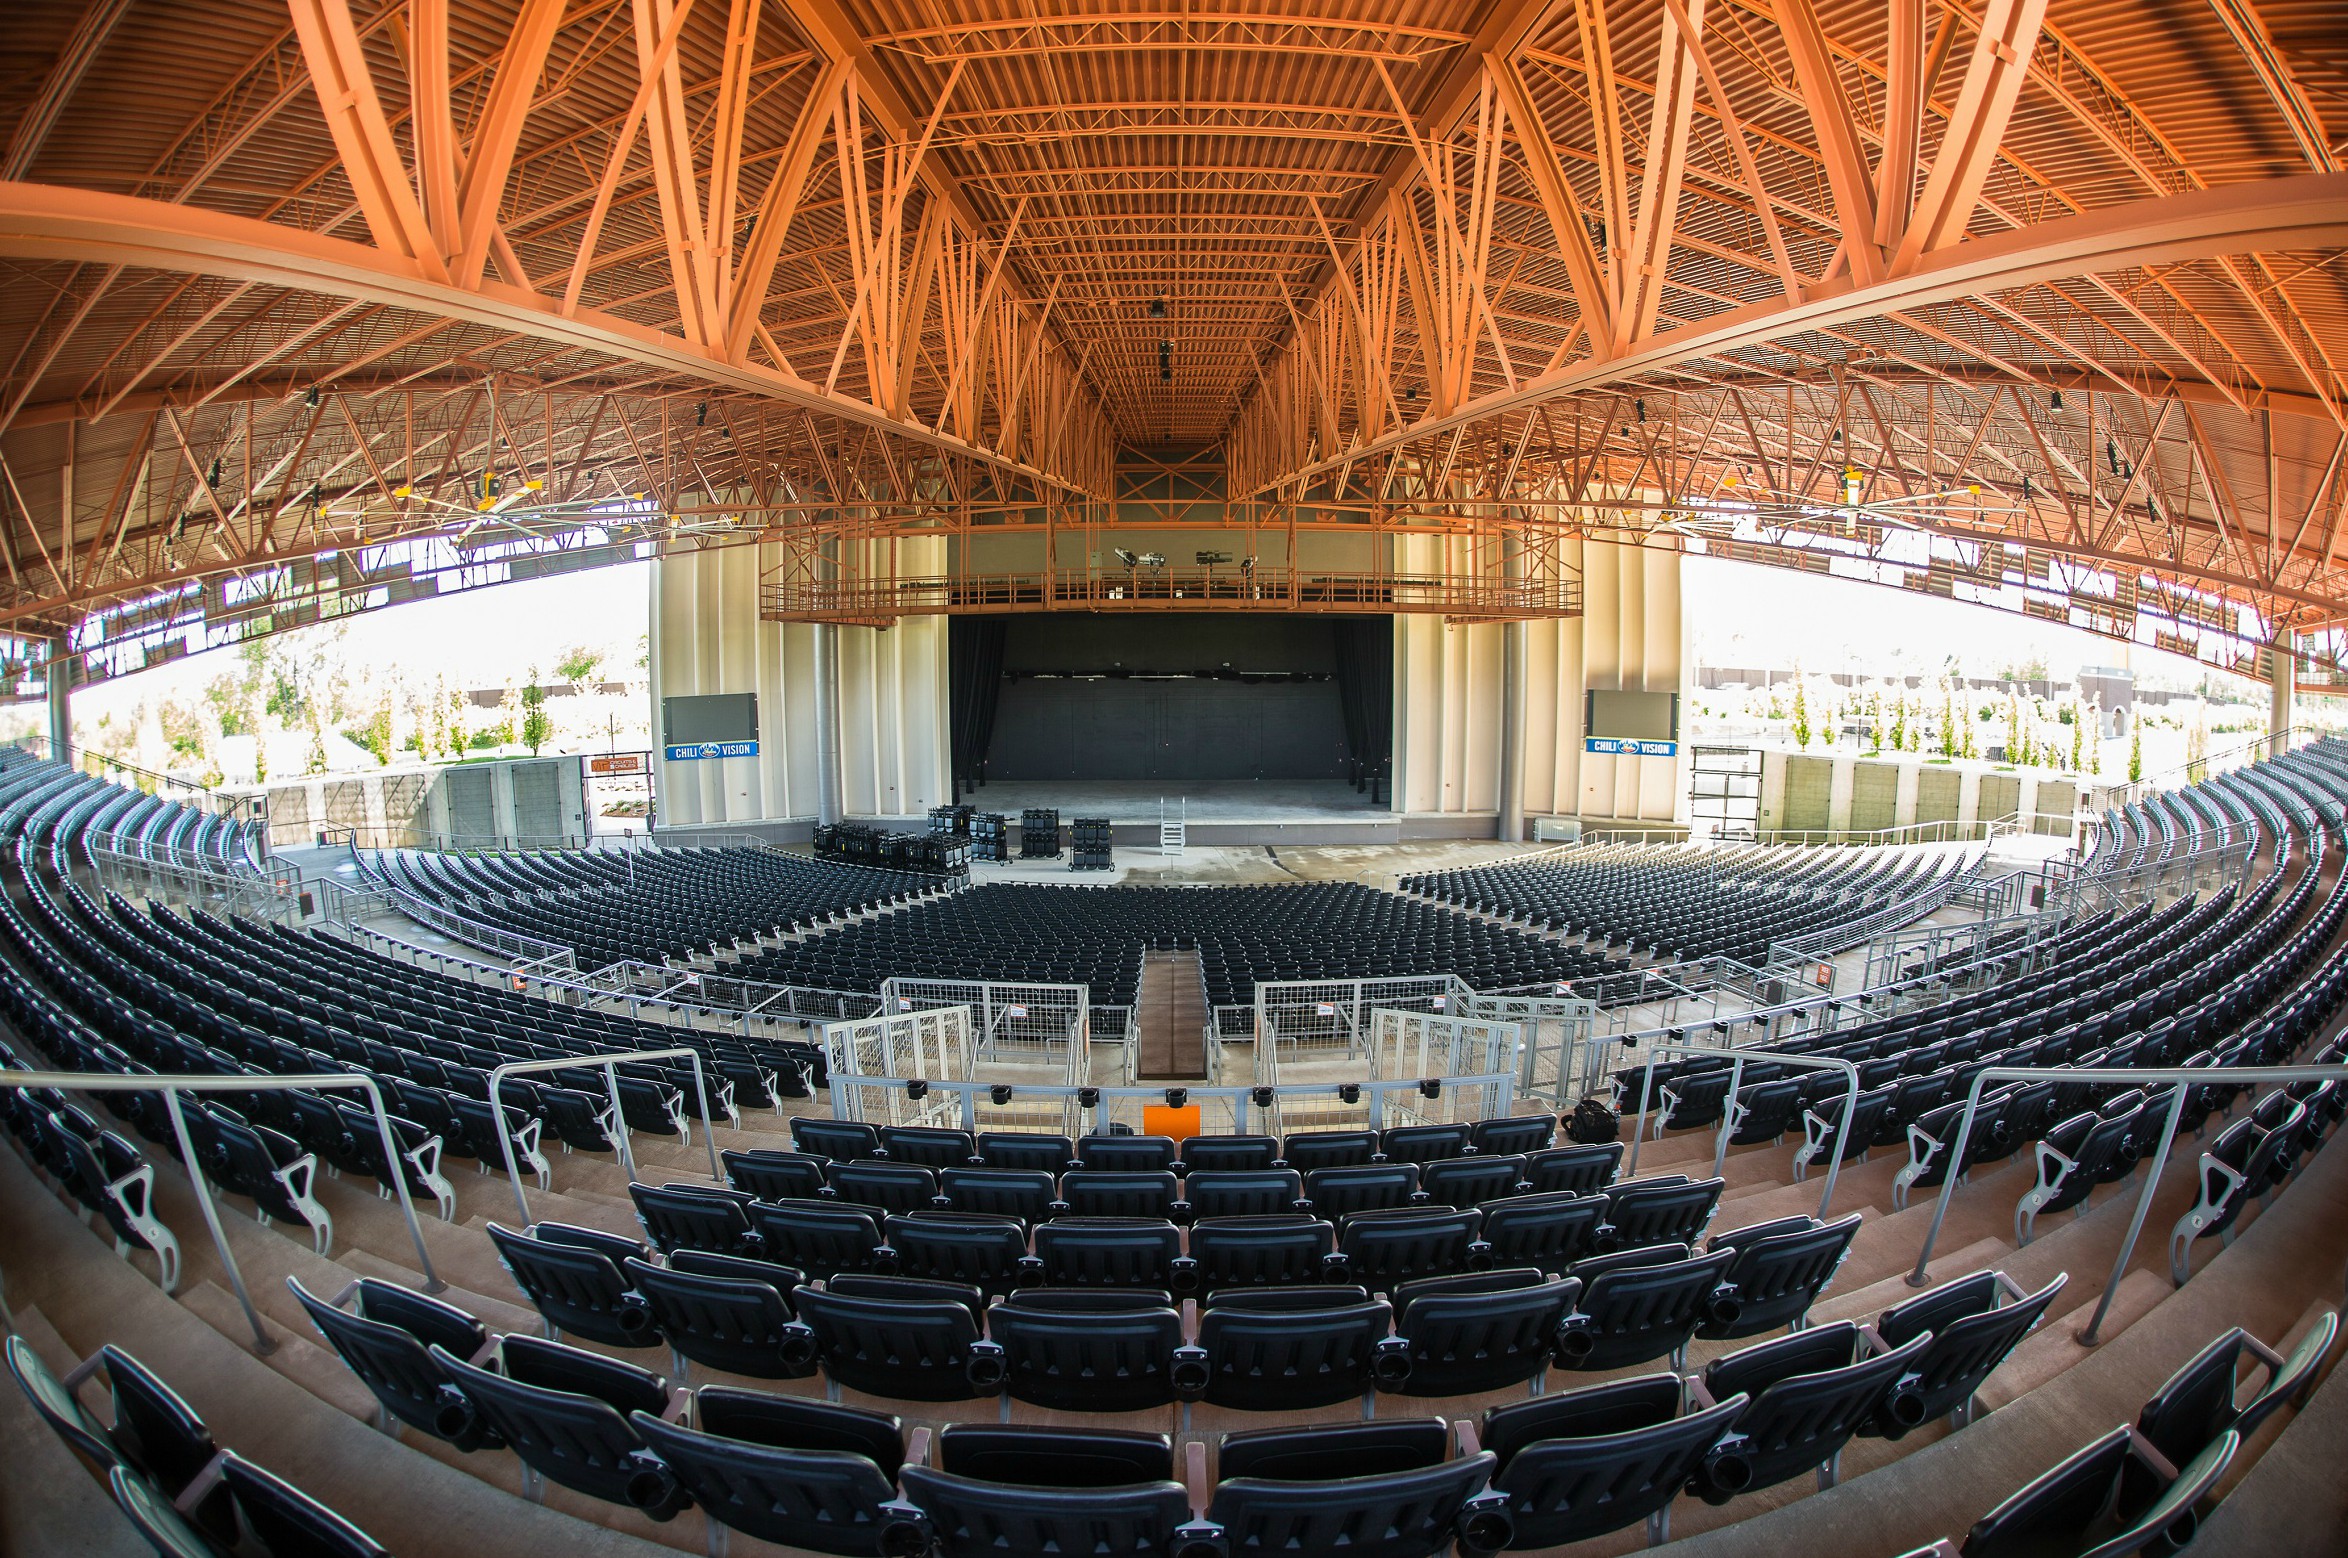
{"points": [[701, 414], [1158, 305], [2054, 402], [1127, 558]]}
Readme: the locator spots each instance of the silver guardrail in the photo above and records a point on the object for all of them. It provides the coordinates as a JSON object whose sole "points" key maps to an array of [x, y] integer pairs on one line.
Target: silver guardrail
{"points": [[610, 1061], [1098, 1100], [1729, 1111], [2179, 1080], [172, 1086]]}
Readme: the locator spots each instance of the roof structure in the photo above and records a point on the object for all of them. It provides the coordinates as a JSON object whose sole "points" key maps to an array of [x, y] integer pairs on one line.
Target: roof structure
{"points": [[2038, 302]]}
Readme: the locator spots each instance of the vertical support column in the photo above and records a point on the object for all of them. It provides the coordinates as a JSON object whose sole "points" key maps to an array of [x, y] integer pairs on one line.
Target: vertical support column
{"points": [[2279, 694], [1512, 732], [827, 723], [60, 682]]}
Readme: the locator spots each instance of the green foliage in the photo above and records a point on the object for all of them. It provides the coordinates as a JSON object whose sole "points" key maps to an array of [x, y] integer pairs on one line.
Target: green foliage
{"points": [[2135, 751], [537, 724], [1801, 715], [484, 740], [2076, 718], [578, 666]]}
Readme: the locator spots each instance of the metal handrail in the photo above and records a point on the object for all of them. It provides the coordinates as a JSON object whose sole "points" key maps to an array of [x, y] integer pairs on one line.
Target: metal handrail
{"points": [[1728, 1111], [611, 1061], [172, 1086], [2178, 1078], [2258, 747]]}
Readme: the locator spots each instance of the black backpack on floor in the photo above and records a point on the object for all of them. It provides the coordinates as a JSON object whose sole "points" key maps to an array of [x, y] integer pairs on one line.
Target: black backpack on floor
{"points": [[1592, 1124]]}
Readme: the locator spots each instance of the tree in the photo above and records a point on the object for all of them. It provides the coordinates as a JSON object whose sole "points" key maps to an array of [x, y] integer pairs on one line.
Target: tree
{"points": [[579, 665], [1899, 722], [2078, 736], [537, 724], [2135, 751], [2014, 731], [1948, 722], [375, 734], [2197, 745], [1801, 714]]}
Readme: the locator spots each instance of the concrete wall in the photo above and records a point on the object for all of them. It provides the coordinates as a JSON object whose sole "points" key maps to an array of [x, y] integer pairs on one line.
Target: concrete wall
{"points": [[536, 799], [1448, 696], [707, 637], [1842, 793]]}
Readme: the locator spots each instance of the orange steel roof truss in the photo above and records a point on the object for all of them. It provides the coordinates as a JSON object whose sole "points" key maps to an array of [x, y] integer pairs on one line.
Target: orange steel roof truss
{"points": [[2053, 288]]}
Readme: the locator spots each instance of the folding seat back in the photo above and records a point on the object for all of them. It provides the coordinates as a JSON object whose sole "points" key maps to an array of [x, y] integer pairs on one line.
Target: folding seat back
{"points": [[1485, 1332], [2107, 1495], [1119, 1192], [1148, 1153], [1472, 1181], [1112, 1252], [718, 1319], [1578, 1171], [821, 1238], [1516, 1135], [1312, 1150], [1244, 1252], [1218, 1153], [1665, 1210], [774, 1176], [155, 1431], [1258, 1192], [1275, 1358], [1765, 1111], [1422, 1143], [1810, 1393], [286, 1520], [965, 1517], [1970, 1335], [1384, 1248], [1693, 1101], [693, 1217], [909, 1349], [1639, 1305], [986, 1252], [565, 1413], [1582, 1463], [1403, 1514], [2201, 1400], [1026, 1194], [1061, 1358], [842, 1141], [394, 1362], [1026, 1150], [1779, 1271], [1550, 1230], [1337, 1192], [59, 1407], [885, 1187], [929, 1146], [785, 1469], [577, 1286]]}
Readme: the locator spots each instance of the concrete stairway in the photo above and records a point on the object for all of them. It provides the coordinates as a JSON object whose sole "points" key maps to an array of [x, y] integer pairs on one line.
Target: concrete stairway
{"points": [[1173, 1014]]}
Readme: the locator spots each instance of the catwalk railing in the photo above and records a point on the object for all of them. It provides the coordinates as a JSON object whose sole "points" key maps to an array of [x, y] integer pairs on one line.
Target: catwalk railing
{"points": [[171, 1087], [1222, 1110]]}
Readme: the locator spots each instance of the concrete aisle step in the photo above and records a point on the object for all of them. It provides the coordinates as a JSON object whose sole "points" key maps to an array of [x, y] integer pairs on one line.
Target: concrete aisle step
{"points": [[2055, 1346], [1844, 1300], [1172, 1015], [2292, 1502], [296, 1355]]}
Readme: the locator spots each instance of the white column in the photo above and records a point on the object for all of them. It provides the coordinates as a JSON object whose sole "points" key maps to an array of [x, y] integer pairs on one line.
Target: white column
{"points": [[827, 723], [60, 683], [2279, 694]]}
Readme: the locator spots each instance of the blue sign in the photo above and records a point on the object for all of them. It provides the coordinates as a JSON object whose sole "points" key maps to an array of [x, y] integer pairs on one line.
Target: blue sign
{"points": [[694, 752], [1624, 746]]}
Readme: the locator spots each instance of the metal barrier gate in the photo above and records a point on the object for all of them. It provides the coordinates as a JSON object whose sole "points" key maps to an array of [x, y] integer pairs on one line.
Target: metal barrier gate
{"points": [[1326, 1022], [883, 1068], [1044, 1027], [1563, 1055]]}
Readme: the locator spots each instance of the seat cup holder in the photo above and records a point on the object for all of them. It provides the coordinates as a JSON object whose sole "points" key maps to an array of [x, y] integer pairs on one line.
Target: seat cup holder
{"points": [[1486, 1525], [1725, 1307], [633, 1316], [904, 1531], [1575, 1343], [454, 1416], [1390, 1364], [1201, 1540], [1727, 1471], [652, 1487], [987, 1368], [1905, 1408], [1191, 1372], [799, 1349]]}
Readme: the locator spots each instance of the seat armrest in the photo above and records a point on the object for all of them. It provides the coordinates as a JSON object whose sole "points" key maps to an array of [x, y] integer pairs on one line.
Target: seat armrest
{"points": [[917, 1446]]}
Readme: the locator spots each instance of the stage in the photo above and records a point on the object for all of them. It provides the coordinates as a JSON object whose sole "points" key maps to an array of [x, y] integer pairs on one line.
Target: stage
{"points": [[1241, 811]]}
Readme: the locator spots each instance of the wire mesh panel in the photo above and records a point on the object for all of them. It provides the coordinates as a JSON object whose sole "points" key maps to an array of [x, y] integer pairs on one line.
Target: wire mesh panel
{"points": [[1042, 1028], [872, 1059], [1323, 1024], [1406, 1044], [1562, 1056]]}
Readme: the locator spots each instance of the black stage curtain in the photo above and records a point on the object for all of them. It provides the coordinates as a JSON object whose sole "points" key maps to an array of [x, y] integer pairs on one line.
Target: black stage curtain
{"points": [[1365, 688], [974, 675]]}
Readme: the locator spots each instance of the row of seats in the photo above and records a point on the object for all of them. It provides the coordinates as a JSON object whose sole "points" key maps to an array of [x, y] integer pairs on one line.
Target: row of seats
{"points": [[1095, 936], [1679, 902]]}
